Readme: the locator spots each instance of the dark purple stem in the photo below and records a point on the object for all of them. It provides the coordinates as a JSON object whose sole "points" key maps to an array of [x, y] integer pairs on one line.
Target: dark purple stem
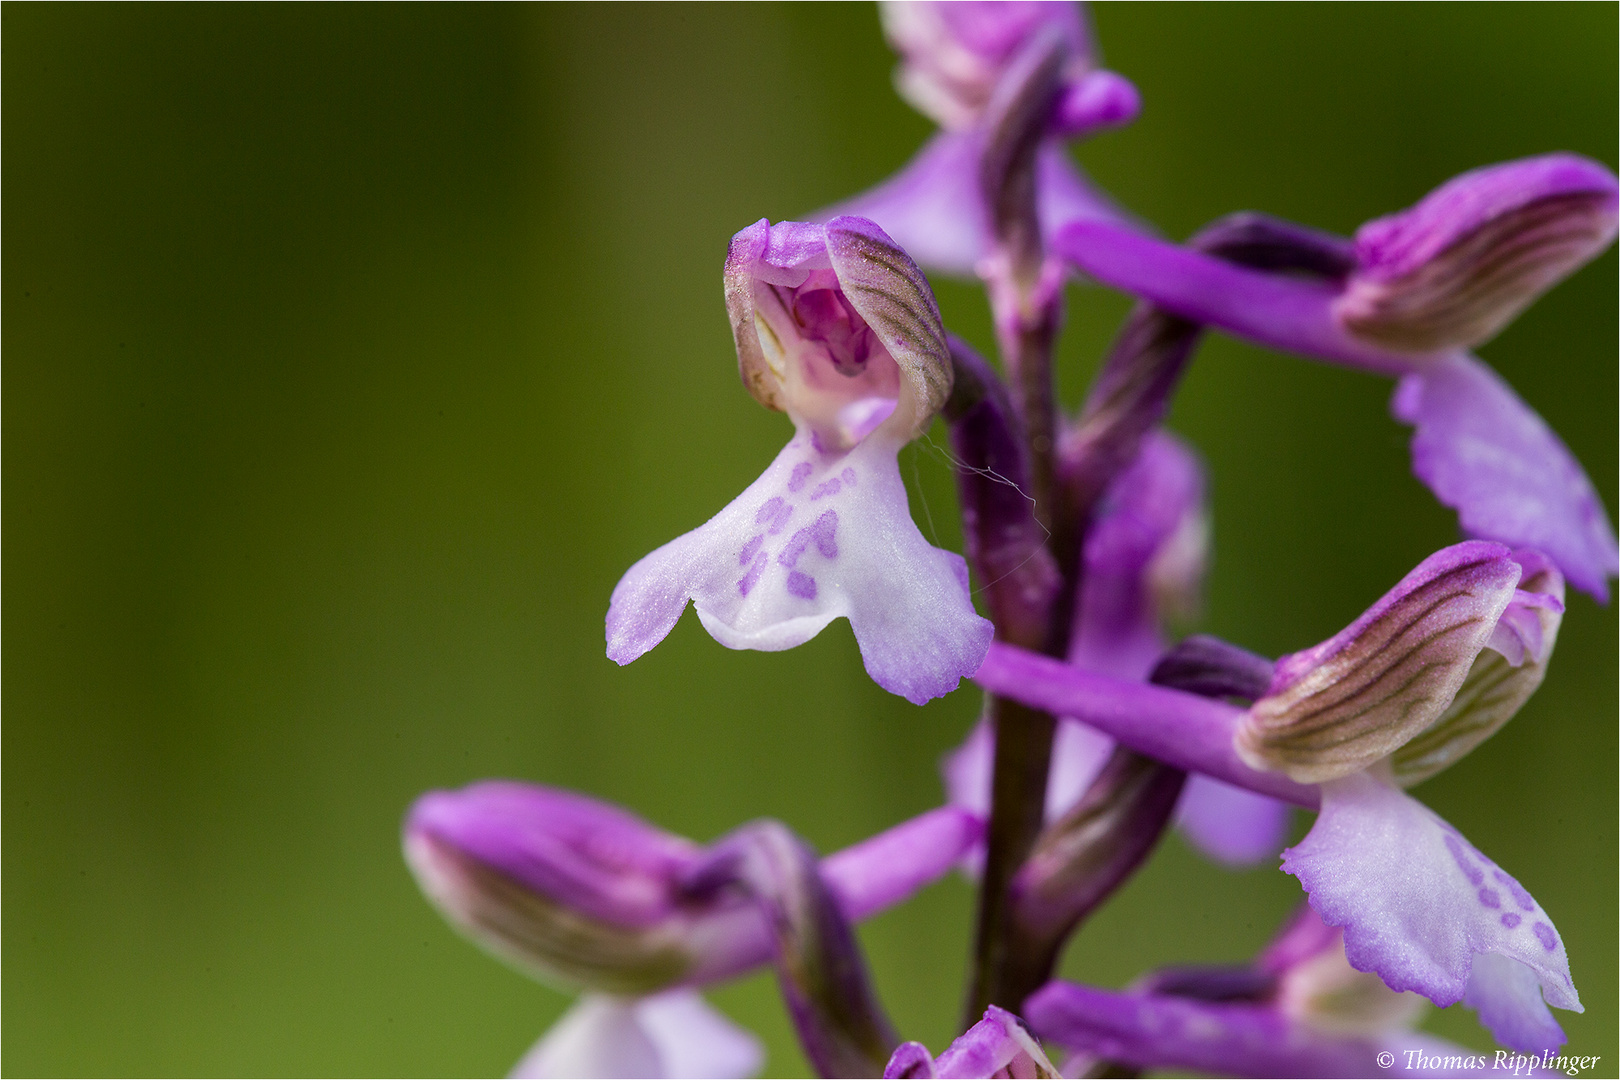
{"points": [[1026, 298]]}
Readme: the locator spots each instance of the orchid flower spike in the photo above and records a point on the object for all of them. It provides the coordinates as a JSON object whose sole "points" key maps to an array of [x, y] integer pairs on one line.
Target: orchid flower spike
{"points": [[1299, 1010], [835, 326], [584, 895], [1408, 298], [954, 62], [997, 1046], [1435, 667]]}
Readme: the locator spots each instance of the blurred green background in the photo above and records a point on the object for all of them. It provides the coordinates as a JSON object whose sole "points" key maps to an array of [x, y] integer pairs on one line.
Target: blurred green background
{"points": [[352, 353]]}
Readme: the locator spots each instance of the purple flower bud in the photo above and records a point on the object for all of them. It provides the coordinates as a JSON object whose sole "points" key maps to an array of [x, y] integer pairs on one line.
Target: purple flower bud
{"points": [[838, 328], [572, 890], [953, 55], [1502, 677], [1334, 709], [999, 1045], [1456, 268], [1098, 100], [583, 894]]}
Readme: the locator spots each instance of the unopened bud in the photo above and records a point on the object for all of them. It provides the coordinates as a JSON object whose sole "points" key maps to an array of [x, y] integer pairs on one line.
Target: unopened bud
{"points": [[574, 891], [1503, 676], [1094, 102], [1456, 268], [952, 56], [1356, 698]]}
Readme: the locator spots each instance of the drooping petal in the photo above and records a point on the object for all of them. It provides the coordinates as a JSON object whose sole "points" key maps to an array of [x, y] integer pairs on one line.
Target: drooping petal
{"points": [[1486, 454], [1507, 996], [1460, 265], [1338, 707], [675, 1034], [1156, 1031], [1417, 902], [818, 536], [1230, 824]]}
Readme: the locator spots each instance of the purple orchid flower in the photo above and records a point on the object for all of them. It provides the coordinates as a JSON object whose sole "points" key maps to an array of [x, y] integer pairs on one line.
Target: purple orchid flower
{"points": [[1420, 288], [1435, 667], [1299, 1010], [954, 60], [1144, 565], [835, 326], [997, 1046], [584, 895]]}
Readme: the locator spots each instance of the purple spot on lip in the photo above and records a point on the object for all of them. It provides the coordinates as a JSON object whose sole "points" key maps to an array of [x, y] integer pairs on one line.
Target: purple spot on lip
{"points": [[1545, 935], [1510, 920], [750, 579], [801, 585], [1475, 874], [847, 476], [829, 488], [794, 548], [746, 555], [1520, 897], [1490, 898], [801, 473], [825, 531], [774, 514]]}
